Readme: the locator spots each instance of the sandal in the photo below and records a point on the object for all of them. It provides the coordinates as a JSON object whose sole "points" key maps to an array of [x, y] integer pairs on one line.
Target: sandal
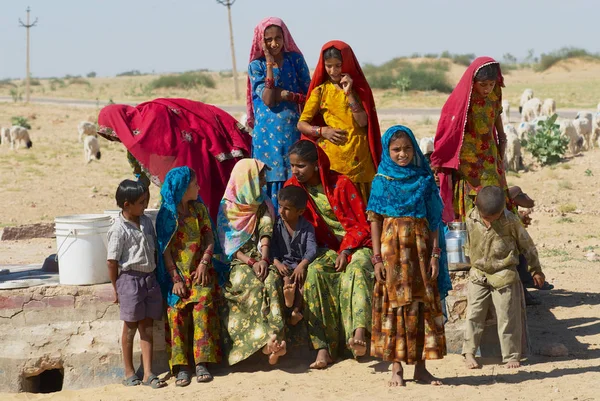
{"points": [[202, 371], [154, 382], [132, 380], [183, 378]]}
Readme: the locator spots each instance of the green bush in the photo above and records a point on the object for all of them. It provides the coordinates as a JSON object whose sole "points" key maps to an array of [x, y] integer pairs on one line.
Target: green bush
{"points": [[7, 82], [546, 144], [187, 80], [16, 94], [34, 82], [91, 74], [78, 81], [132, 73], [20, 121], [404, 75], [548, 60], [463, 59]]}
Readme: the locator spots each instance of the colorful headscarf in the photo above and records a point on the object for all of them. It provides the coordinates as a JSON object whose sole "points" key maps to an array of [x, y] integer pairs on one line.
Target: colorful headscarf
{"points": [[350, 65], [347, 204], [256, 52], [172, 191], [399, 191], [451, 128], [238, 213]]}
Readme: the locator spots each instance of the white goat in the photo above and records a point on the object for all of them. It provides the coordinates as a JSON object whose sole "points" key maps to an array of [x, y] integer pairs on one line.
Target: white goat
{"points": [[4, 135], [525, 96], [596, 130], [86, 128], [548, 107], [91, 148], [531, 109], [513, 159], [525, 129], [583, 124], [505, 112], [567, 129], [19, 135]]}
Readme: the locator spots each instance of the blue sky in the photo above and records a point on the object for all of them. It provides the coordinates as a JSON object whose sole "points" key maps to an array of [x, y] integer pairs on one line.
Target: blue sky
{"points": [[111, 36]]}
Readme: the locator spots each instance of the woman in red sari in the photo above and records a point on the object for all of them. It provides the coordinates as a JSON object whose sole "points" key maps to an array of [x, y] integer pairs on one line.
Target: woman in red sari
{"points": [[340, 115], [165, 133], [339, 283], [470, 140]]}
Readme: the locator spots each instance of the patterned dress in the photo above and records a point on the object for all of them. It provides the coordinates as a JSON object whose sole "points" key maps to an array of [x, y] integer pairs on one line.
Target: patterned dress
{"points": [[480, 165], [353, 159], [336, 303], [192, 324], [275, 129], [252, 310], [408, 324]]}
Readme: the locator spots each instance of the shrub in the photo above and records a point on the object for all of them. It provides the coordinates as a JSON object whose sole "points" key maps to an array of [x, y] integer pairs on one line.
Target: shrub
{"points": [[565, 185], [547, 145], [548, 60], [91, 74], [34, 82], [54, 82], [7, 82], [405, 75], [187, 80], [132, 73], [16, 94], [463, 59], [78, 81], [20, 121], [567, 208]]}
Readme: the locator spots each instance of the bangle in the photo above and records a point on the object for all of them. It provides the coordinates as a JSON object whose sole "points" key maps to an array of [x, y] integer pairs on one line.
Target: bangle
{"points": [[269, 83], [354, 107], [435, 256], [251, 262], [176, 279], [436, 251], [316, 131], [376, 259], [171, 268], [209, 252], [205, 262], [266, 260], [269, 64]]}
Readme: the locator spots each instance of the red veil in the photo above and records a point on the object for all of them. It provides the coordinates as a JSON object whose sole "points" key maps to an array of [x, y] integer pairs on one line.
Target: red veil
{"points": [[165, 133], [347, 205], [360, 85], [451, 128]]}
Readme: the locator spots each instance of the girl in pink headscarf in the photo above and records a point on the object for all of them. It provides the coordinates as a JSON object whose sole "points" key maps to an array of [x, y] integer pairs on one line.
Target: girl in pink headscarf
{"points": [[278, 80]]}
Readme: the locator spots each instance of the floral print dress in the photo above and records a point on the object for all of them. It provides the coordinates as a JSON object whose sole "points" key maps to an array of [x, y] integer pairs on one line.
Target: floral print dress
{"points": [[252, 311], [192, 324]]}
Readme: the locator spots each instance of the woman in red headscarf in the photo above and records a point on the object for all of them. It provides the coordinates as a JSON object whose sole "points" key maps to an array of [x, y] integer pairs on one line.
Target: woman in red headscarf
{"points": [[340, 115], [165, 133], [470, 139]]}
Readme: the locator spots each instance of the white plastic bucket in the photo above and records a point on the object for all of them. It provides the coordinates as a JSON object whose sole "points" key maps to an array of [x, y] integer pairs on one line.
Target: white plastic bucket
{"points": [[81, 248], [152, 213]]}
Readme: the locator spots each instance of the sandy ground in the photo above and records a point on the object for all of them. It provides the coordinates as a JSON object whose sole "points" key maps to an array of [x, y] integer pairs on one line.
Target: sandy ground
{"points": [[51, 179]]}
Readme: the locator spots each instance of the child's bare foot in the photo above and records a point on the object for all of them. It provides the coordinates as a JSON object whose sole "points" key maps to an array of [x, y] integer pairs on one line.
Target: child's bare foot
{"points": [[358, 343], [471, 362], [279, 349], [397, 376], [289, 292], [296, 317], [323, 359], [423, 376], [512, 365]]}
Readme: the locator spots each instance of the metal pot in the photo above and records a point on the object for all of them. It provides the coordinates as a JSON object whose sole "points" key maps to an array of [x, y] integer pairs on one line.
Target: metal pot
{"points": [[456, 238]]}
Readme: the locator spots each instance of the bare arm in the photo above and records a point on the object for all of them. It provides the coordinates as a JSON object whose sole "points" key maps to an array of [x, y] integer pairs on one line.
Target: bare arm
{"points": [[113, 272], [501, 137], [358, 113], [376, 227]]}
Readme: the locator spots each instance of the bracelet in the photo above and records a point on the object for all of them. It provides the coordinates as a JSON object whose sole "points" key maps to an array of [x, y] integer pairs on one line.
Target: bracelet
{"points": [[266, 260], [209, 253], [434, 256], [269, 83], [376, 259], [176, 279], [316, 131], [205, 262], [436, 251], [171, 268], [251, 262], [354, 107], [269, 64]]}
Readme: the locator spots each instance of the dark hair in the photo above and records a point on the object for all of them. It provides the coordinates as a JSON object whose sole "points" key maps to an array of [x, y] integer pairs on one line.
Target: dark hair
{"points": [[306, 150], [296, 195], [129, 191], [192, 174], [332, 52], [399, 134], [490, 200], [487, 73]]}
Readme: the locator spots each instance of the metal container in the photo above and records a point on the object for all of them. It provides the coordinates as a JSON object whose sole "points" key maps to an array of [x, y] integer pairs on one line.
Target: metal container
{"points": [[456, 238]]}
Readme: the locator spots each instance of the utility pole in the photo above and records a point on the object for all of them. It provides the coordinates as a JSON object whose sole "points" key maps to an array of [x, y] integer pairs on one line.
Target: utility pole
{"points": [[27, 26], [228, 4]]}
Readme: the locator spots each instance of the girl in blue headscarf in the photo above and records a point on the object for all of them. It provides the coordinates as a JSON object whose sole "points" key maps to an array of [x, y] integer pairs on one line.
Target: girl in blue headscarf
{"points": [[187, 273], [405, 211]]}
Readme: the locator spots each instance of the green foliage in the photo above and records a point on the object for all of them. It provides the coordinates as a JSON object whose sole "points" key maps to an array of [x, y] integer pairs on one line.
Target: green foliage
{"points": [[463, 59], [6, 82], [588, 173], [132, 73], [567, 208], [404, 75], [20, 121], [91, 74], [78, 81], [34, 82], [546, 144], [16, 94], [187, 80], [549, 59], [56, 82]]}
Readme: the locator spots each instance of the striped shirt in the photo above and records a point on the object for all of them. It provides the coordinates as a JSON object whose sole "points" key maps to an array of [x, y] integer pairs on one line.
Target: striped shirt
{"points": [[134, 248]]}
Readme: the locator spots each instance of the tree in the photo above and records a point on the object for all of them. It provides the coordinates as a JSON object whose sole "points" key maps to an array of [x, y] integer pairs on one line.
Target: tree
{"points": [[228, 4], [91, 74], [509, 58]]}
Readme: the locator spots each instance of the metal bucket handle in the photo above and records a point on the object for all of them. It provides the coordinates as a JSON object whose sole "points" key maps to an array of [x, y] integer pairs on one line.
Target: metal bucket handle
{"points": [[73, 232]]}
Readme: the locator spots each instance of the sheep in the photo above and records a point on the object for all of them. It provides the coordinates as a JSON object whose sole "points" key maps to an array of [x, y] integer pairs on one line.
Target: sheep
{"points": [[598, 107], [513, 158], [548, 107], [505, 112], [4, 135], [86, 128], [426, 145], [91, 148], [583, 126], [567, 129], [531, 109], [18, 135], [525, 129], [596, 130], [527, 94]]}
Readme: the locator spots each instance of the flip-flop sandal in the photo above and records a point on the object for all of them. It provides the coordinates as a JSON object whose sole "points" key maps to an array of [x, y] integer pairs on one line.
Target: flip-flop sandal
{"points": [[154, 382], [131, 381], [202, 371], [183, 378]]}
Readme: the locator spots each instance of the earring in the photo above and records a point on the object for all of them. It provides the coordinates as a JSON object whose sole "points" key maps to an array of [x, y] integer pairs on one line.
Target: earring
{"points": [[316, 168]]}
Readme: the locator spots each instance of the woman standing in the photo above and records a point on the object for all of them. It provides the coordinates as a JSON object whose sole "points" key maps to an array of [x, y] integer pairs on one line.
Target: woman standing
{"points": [[278, 79], [340, 115]]}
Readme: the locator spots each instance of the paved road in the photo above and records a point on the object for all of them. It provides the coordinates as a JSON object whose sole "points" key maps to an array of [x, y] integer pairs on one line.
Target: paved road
{"points": [[425, 112]]}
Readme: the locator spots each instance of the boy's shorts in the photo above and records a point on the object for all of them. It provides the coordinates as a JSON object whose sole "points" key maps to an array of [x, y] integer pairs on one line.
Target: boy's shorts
{"points": [[139, 296]]}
